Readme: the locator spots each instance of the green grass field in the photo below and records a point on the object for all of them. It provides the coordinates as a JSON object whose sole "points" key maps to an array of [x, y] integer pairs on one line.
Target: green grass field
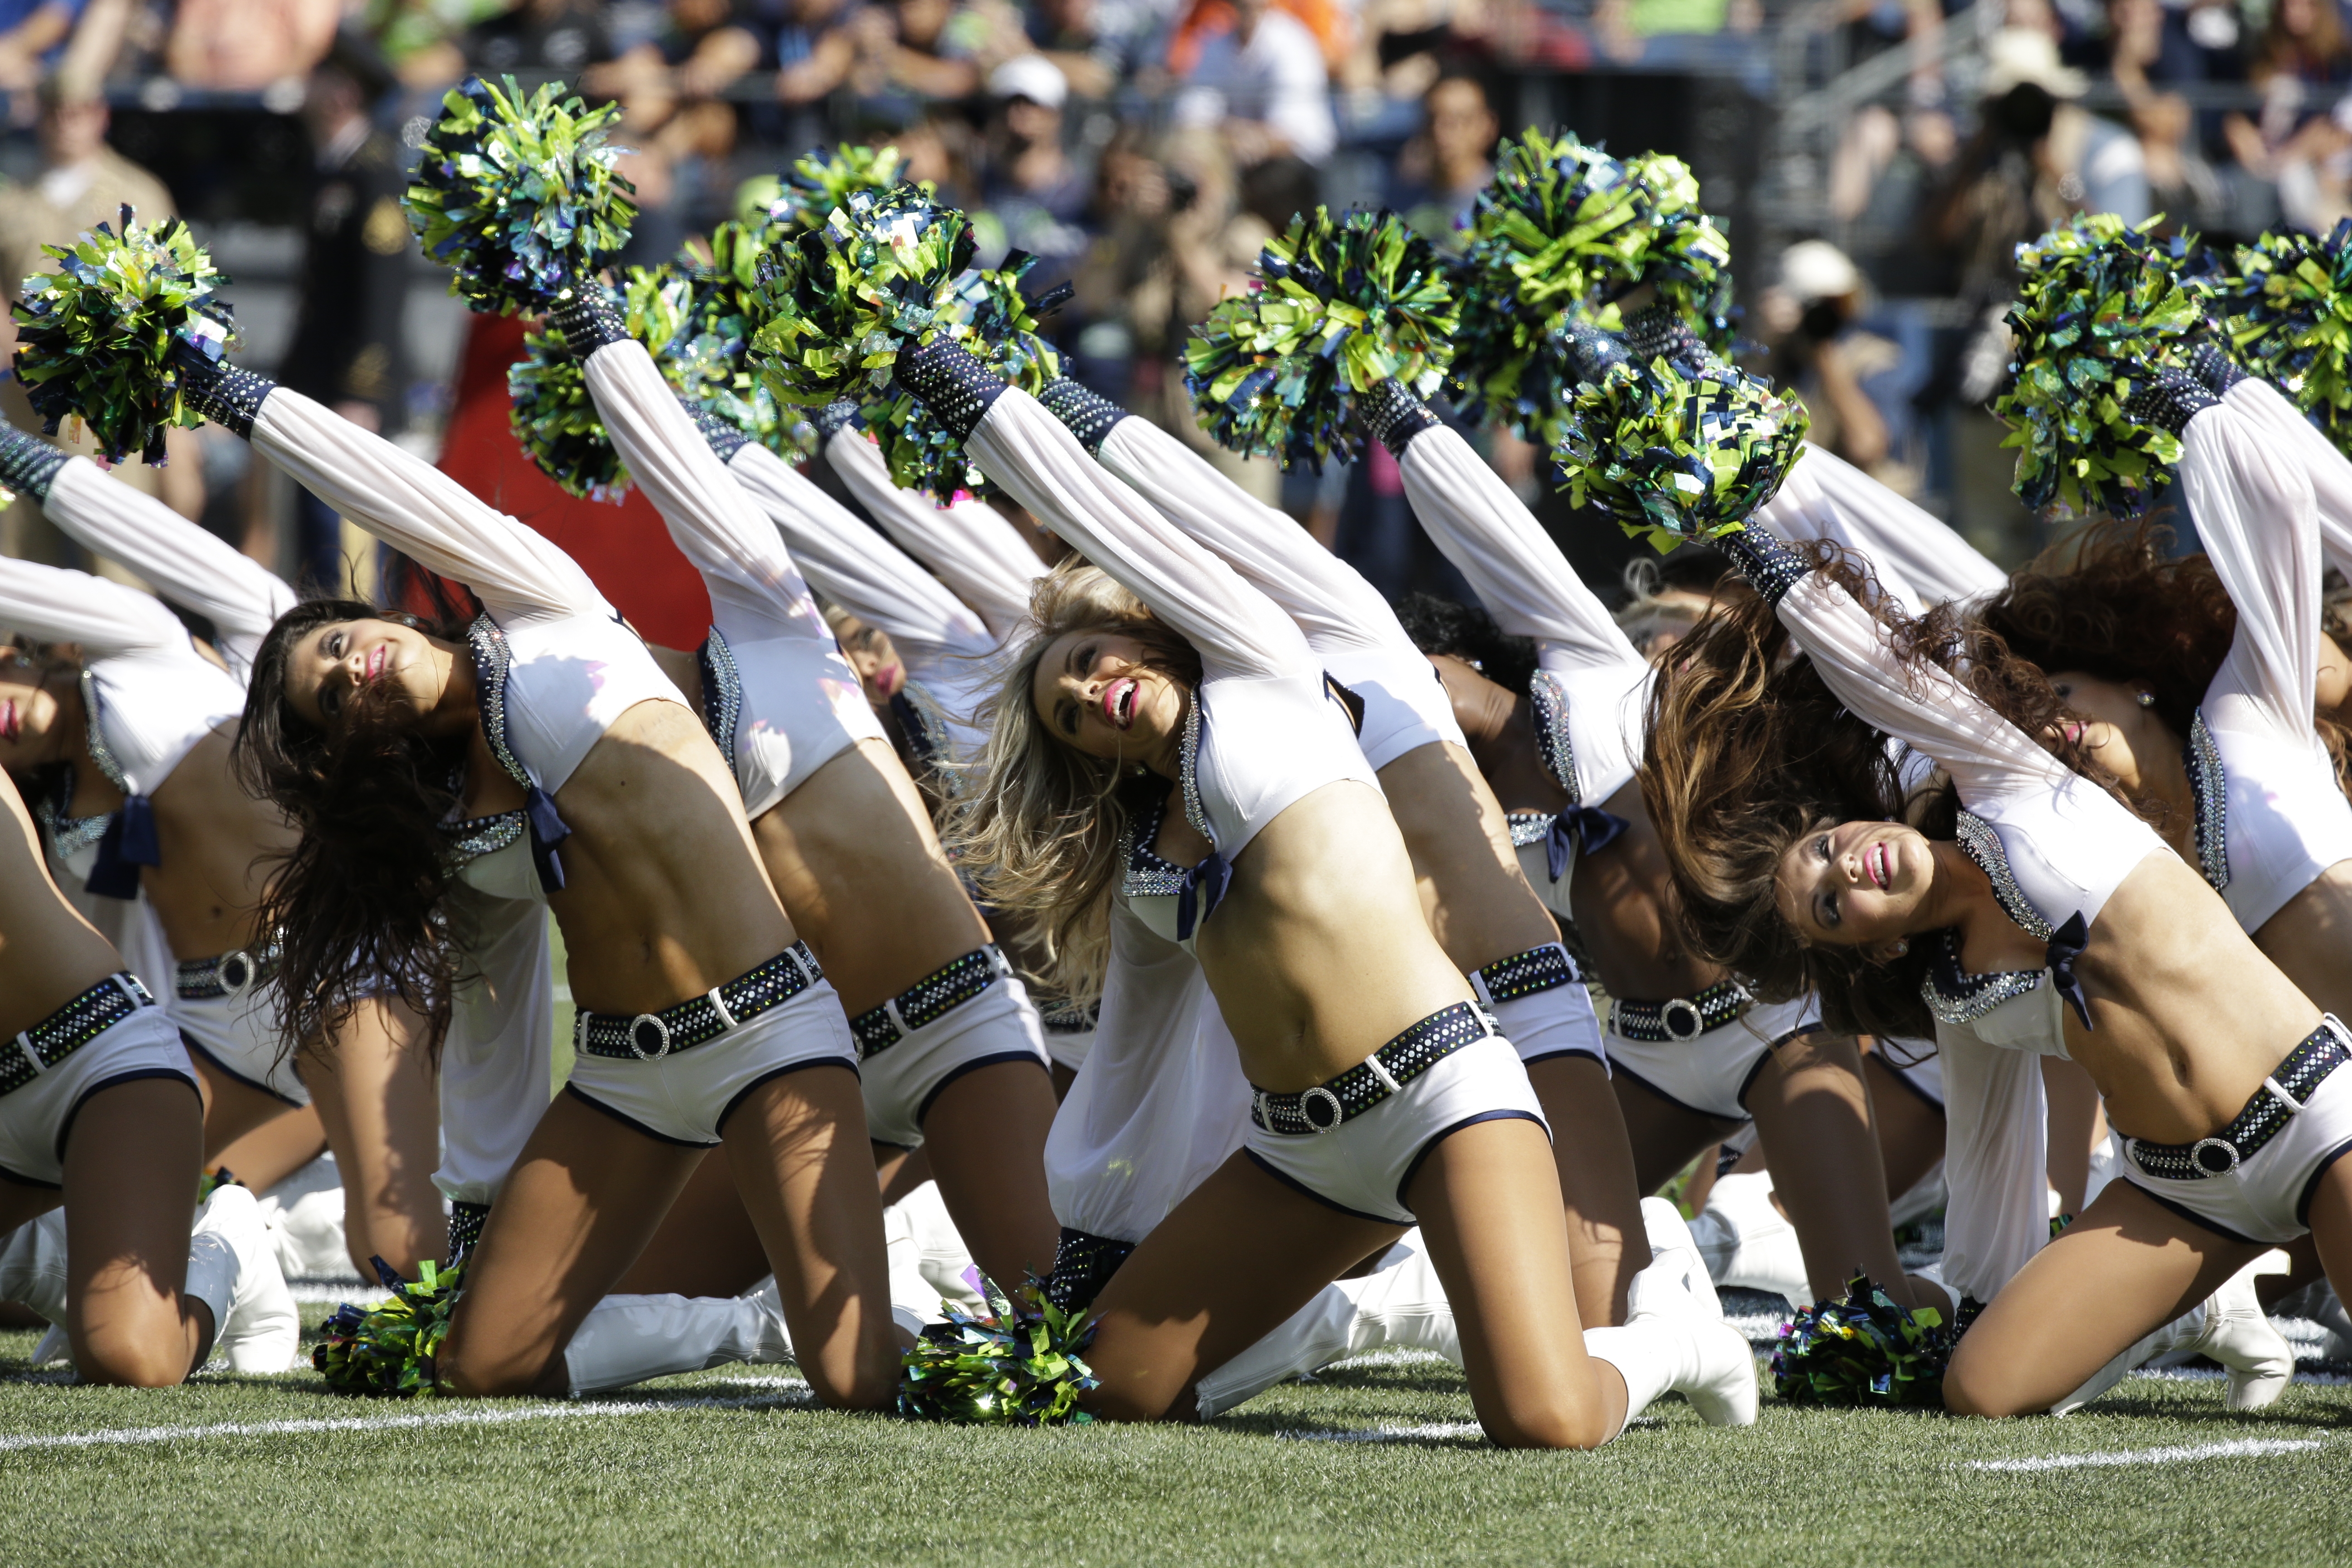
{"points": [[1371, 1464]]}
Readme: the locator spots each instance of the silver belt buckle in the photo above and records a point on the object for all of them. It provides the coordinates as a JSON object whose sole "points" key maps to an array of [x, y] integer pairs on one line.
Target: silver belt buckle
{"points": [[1339, 1110], [245, 971], [1672, 1011], [2197, 1155], [660, 1027]]}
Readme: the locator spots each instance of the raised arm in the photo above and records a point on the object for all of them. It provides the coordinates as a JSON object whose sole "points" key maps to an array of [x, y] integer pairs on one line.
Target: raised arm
{"points": [[2328, 471], [186, 563], [981, 558], [1917, 558], [1237, 629], [54, 603]]}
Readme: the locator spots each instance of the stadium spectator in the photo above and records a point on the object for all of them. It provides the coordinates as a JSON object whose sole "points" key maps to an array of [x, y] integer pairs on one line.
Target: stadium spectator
{"points": [[1443, 167], [1036, 193], [1096, 45], [244, 46], [33, 34], [1262, 79], [564, 37], [1809, 318], [2303, 131]]}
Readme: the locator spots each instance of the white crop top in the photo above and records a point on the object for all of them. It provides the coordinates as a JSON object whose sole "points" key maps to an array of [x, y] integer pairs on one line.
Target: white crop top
{"points": [[1918, 560], [1262, 729], [1347, 623], [184, 564], [2282, 819]]}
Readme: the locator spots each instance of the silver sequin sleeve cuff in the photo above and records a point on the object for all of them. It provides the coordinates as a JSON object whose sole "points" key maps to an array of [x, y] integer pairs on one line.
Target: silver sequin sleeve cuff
{"points": [[1087, 415], [1658, 331], [835, 418], [1590, 352], [955, 387], [589, 317], [724, 438], [28, 465], [1393, 416], [230, 397], [2170, 401], [2216, 370], [1771, 567]]}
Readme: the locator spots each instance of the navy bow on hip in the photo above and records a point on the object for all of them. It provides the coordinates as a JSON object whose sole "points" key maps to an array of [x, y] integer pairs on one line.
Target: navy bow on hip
{"points": [[548, 829]]}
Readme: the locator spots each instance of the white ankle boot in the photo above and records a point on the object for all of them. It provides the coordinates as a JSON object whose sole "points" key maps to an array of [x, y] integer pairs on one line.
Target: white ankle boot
{"points": [[33, 1274], [1750, 1243], [912, 1295], [1674, 1341], [628, 1339], [2230, 1326], [1400, 1304], [1670, 1239], [941, 1255], [233, 1270]]}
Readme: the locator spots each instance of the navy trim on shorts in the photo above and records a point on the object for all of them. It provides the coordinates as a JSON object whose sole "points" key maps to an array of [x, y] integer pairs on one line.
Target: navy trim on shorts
{"points": [[1755, 1068], [1618, 1068], [1585, 1051], [234, 1076], [770, 1077], [2311, 1187], [1904, 1079], [1414, 1169], [626, 1120], [2193, 1217], [65, 1129], [1289, 1180], [995, 1058], [24, 1180]]}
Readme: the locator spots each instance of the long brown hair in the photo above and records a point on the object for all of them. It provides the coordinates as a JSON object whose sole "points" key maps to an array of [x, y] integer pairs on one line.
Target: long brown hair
{"points": [[357, 904], [1035, 824], [1749, 750]]}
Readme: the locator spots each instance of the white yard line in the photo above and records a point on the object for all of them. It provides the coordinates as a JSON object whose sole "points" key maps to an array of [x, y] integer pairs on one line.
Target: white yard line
{"points": [[1388, 1434], [489, 1417], [2244, 1449]]}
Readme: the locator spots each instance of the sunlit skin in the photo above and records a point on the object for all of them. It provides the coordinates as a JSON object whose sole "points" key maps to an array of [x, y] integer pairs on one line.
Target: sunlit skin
{"points": [[873, 655], [2335, 678]]}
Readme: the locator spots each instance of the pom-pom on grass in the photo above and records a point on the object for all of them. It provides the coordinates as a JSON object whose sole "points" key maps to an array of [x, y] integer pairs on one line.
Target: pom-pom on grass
{"points": [[1339, 305], [1864, 1350], [1018, 1362], [2103, 307], [1675, 457], [517, 195], [102, 334], [387, 1351], [2287, 310], [999, 325]]}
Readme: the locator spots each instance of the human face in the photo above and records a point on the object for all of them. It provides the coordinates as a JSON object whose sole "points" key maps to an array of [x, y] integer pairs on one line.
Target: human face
{"points": [[874, 657], [31, 718], [397, 667], [2335, 677], [2111, 722], [1858, 884], [1095, 693]]}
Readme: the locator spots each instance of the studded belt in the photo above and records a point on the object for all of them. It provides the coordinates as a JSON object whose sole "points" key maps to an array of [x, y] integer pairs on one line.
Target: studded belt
{"points": [[1383, 1073], [650, 1036], [230, 974], [1083, 1264], [1682, 1019], [2283, 1093], [1525, 974], [70, 1027], [928, 1000]]}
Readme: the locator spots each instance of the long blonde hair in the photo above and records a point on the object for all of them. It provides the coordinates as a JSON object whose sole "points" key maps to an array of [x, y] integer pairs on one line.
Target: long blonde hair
{"points": [[1037, 825]]}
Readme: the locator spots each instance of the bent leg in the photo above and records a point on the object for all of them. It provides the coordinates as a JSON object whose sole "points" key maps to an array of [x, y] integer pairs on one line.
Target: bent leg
{"points": [[376, 1093], [1812, 1120], [705, 1246], [275, 1150], [131, 1167], [1594, 1156], [985, 1137], [233, 1107]]}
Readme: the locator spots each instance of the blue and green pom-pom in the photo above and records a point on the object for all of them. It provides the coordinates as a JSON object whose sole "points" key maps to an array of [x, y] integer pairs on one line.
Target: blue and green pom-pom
{"points": [[1677, 452], [1339, 306], [1686, 257], [2286, 311], [103, 334], [805, 194], [1017, 1363], [387, 1351], [2103, 307], [1864, 1350], [999, 325], [707, 358], [517, 195]]}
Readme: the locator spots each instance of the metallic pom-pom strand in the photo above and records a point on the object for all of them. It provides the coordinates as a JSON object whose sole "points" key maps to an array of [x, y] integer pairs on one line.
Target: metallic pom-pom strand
{"points": [[387, 1351], [1864, 1350], [991, 319], [106, 335], [2286, 311], [819, 182], [1686, 258], [1019, 1361], [517, 195]]}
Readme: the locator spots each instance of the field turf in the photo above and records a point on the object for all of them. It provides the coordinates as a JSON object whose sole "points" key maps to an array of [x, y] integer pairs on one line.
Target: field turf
{"points": [[1372, 1463]]}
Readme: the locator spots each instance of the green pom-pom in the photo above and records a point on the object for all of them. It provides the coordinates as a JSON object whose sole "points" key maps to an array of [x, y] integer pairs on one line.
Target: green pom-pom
{"points": [[2287, 310], [104, 334], [1685, 255], [556, 421], [517, 195], [1676, 457], [1018, 1362], [817, 184], [2103, 307], [843, 301], [707, 356], [1559, 223], [387, 1351], [1339, 305], [998, 325], [1864, 1350]]}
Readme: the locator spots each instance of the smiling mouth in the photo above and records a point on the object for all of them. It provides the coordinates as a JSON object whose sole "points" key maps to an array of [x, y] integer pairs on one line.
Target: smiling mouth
{"points": [[887, 679], [1874, 861], [377, 659], [1118, 703]]}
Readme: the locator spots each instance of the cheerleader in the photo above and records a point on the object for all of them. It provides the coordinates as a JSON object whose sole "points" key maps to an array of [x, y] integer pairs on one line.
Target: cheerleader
{"points": [[948, 1048], [1307, 926], [1478, 902], [371, 1082], [2048, 892], [99, 1110], [375, 733]]}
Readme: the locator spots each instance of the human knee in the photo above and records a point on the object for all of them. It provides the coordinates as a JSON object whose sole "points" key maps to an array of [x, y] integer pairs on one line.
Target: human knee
{"points": [[1546, 1426], [152, 1354], [1969, 1391], [871, 1383], [470, 1370]]}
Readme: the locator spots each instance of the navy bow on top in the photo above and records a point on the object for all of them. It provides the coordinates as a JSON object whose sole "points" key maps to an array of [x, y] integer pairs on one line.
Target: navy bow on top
{"points": [[1588, 825], [2066, 944], [130, 843]]}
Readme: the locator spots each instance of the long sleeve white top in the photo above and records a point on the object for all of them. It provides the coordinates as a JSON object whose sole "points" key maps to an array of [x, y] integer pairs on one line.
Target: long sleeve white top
{"points": [[981, 557], [1916, 557], [186, 565], [2327, 469]]}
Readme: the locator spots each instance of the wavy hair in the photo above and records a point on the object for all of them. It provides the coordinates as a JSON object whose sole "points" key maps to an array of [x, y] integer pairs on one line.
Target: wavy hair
{"points": [[356, 905], [1037, 824], [1440, 625], [1749, 750]]}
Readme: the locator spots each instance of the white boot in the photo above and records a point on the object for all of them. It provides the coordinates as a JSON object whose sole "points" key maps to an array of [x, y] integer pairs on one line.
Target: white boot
{"points": [[307, 1235], [32, 1265], [1400, 1304], [1748, 1243], [1670, 1240], [233, 1270], [2229, 1326], [628, 1339], [912, 1292], [939, 1251], [1672, 1343]]}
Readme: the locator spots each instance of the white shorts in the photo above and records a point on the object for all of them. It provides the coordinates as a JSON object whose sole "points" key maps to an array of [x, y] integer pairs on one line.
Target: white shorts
{"points": [[1363, 1166], [36, 1118], [238, 1037], [686, 1097], [2266, 1199], [1711, 1072], [904, 1078], [1556, 1021]]}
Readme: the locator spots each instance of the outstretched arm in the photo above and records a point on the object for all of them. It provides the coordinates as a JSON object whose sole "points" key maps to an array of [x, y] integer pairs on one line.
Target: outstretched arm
{"points": [[981, 558], [54, 603], [1916, 557], [2329, 471]]}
